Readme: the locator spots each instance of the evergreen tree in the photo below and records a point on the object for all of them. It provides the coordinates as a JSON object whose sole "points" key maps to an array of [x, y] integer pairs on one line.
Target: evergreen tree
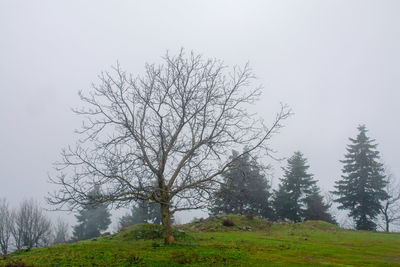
{"points": [[245, 189], [361, 188], [142, 212], [92, 219], [316, 208], [296, 185]]}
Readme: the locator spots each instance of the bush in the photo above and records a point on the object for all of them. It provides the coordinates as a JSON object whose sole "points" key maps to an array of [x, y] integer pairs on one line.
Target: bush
{"points": [[227, 222]]}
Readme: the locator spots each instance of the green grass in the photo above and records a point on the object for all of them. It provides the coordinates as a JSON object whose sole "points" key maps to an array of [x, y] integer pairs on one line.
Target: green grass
{"points": [[208, 243]]}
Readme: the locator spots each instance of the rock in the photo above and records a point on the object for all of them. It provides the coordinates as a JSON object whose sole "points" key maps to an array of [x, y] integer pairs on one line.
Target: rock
{"points": [[106, 234], [25, 249]]}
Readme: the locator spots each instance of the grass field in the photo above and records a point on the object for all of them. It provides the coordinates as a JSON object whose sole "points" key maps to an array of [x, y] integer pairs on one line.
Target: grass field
{"points": [[250, 242]]}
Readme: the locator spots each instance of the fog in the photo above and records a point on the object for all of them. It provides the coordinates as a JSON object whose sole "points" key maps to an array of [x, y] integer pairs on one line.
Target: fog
{"points": [[335, 63]]}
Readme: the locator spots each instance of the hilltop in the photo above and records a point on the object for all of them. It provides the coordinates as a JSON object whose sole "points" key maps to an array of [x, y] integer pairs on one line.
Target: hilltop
{"points": [[248, 241]]}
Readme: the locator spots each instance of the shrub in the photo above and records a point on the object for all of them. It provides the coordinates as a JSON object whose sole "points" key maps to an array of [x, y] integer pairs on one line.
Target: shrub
{"points": [[227, 222]]}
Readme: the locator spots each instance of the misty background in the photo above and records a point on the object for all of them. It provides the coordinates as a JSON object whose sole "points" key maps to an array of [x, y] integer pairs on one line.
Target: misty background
{"points": [[335, 63]]}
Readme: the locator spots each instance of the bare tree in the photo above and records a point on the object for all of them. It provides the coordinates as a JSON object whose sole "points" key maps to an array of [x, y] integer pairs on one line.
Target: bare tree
{"points": [[5, 226], [163, 137], [390, 210], [30, 227], [60, 232]]}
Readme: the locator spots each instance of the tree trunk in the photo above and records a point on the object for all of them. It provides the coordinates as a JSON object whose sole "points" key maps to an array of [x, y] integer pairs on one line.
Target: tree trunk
{"points": [[386, 216], [166, 223], [387, 221]]}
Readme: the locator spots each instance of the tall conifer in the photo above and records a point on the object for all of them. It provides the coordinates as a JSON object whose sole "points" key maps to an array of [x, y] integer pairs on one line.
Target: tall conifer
{"points": [[361, 188], [296, 185]]}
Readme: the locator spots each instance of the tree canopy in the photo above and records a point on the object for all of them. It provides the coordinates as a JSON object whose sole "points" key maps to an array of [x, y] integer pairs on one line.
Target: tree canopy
{"points": [[162, 137]]}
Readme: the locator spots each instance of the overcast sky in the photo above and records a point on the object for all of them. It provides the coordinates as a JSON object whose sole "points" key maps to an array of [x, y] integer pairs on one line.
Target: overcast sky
{"points": [[335, 63]]}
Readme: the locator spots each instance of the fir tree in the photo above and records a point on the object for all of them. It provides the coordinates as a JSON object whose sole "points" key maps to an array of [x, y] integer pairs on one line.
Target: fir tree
{"points": [[295, 186], [361, 188], [316, 208], [142, 212], [92, 219], [245, 189]]}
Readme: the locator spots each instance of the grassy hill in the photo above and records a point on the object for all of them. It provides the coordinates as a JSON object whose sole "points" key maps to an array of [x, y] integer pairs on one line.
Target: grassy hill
{"points": [[249, 242]]}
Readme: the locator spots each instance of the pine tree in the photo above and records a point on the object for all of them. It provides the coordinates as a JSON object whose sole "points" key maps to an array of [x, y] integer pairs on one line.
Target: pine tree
{"points": [[316, 208], [245, 189], [92, 219], [142, 212], [296, 185], [361, 188]]}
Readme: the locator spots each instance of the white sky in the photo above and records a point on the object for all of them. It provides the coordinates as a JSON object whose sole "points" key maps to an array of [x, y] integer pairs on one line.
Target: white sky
{"points": [[336, 63]]}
